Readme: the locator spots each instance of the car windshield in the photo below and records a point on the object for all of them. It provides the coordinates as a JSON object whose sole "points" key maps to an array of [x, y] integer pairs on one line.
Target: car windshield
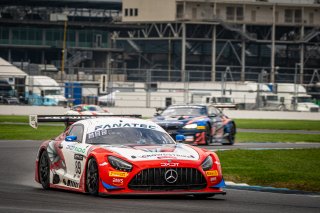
{"points": [[126, 136], [52, 92], [176, 111], [304, 100], [224, 100], [272, 98]]}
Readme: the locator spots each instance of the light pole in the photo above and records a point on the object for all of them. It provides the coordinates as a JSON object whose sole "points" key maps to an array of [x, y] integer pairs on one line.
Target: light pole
{"points": [[295, 103], [261, 75]]}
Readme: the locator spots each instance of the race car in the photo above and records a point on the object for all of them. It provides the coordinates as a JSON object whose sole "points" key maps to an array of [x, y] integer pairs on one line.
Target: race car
{"points": [[87, 109], [200, 124], [124, 156]]}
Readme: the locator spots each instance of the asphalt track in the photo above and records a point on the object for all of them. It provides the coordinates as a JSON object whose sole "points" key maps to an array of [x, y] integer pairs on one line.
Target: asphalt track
{"points": [[19, 193]]}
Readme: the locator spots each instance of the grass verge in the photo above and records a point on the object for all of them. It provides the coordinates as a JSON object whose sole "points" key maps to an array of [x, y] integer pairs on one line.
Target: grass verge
{"points": [[241, 123], [276, 137], [25, 132], [294, 169], [278, 124]]}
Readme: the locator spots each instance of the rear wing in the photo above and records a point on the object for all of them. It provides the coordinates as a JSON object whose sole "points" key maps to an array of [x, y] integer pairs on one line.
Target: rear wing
{"points": [[69, 119]]}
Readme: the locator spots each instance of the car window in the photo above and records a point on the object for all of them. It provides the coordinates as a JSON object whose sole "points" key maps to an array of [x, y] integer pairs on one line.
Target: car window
{"points": [[178, 111], [213, 110], [76, 130]]}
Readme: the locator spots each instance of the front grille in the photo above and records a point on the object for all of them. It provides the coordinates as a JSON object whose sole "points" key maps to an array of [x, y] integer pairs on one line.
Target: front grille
{"points": [[154, 180]]}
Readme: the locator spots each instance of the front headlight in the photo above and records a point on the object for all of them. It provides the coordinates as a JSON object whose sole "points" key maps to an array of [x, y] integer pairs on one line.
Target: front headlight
{"points": [[119, 164], [207, 163], [190, 126]]}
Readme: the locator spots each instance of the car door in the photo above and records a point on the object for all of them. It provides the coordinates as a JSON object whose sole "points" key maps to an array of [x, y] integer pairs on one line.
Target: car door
{"points": [[74, 151]]}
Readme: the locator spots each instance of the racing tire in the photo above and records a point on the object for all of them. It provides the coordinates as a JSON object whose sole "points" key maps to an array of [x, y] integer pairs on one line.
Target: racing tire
{"points": [[92, 177], [231, 137], [208, 136], [44, 170]]}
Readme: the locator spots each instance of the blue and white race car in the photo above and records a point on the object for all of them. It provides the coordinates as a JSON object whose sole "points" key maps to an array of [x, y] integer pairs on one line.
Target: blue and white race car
{"points": [[200, 124]]}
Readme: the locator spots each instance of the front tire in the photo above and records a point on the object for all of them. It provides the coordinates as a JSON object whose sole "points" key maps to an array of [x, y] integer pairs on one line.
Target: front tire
{"points": [[231, 137], [44, 170], [208, 136], [92, 177]]}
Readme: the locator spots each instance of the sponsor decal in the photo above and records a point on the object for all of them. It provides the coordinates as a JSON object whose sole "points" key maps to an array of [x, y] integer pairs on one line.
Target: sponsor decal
{"points": [[172, 155], [118, 174], [212, 173], [117, 181], [213, 179], [169, 164], [71, 183], [103, 164], [76, 149], [77, 167], [123, 125], [78, 157]]}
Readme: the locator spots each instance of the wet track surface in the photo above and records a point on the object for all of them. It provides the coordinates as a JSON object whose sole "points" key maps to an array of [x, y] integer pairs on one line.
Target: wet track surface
{"points": [[19, 193]]}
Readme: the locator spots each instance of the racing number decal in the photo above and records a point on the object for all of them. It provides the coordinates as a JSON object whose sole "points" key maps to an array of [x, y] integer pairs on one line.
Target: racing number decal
{"points": [[78, 167]]}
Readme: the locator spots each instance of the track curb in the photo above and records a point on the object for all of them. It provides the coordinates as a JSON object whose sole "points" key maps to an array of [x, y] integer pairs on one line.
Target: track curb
{"points": [[244, 186]]}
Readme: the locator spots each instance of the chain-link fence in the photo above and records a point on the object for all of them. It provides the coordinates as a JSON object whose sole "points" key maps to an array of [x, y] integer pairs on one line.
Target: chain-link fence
{"points": [[160, 88]]}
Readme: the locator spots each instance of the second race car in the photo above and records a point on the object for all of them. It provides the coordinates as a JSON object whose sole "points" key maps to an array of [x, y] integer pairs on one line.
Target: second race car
{"points": [[87, 109], [200, 124]]}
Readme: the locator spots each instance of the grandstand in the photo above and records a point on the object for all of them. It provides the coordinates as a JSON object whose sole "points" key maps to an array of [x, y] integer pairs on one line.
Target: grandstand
{"points": [[176, 40]]}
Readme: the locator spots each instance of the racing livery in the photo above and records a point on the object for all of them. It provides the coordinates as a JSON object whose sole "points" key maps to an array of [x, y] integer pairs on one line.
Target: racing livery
{"points": [[124, 155], [200, 124]]}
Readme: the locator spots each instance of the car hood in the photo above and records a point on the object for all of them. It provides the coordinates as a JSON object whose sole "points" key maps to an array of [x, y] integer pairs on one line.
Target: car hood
{"points": [[155, 152], [176, 120]]}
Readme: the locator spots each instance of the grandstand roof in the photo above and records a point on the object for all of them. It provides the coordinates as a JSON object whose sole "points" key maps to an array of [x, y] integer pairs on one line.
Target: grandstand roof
{"points": [[9, 70]]}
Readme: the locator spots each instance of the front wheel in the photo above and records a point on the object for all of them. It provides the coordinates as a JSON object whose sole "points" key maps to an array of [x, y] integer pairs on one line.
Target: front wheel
{"points": [[44, 170], [92, 177], [231, 136], [208, 136]]}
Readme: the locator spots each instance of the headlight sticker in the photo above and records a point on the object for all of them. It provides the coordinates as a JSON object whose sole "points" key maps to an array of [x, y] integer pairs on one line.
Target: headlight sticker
{"points": [[118, 174], [212, 173]]}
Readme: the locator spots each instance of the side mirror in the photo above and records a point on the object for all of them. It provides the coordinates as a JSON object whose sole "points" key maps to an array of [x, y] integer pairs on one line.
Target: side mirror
{"points": [[71, 138], [180, 138]]}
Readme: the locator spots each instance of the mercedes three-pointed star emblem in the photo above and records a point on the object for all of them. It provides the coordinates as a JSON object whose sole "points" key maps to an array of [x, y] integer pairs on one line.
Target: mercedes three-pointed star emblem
{"points": [[171, 176]]}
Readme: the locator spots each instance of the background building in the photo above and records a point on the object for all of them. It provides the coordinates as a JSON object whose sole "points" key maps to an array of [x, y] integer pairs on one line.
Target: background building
{"points": [[198, 40], [131, 45]]}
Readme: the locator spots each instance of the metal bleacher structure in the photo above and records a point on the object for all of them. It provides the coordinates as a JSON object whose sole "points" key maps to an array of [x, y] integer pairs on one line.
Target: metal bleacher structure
{"points": [[193, 40]]}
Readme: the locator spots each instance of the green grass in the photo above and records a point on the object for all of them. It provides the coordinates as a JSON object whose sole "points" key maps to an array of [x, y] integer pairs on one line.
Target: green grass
{"points": [[21, 132], [275, 137], [14, 118], [25, 132], [277, 124], [294, 169], [241, 123]]}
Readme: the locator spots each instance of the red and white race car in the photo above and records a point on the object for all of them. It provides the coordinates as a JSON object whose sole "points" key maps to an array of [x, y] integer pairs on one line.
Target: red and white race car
{"points": [[123, 155], [87, 109]]}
